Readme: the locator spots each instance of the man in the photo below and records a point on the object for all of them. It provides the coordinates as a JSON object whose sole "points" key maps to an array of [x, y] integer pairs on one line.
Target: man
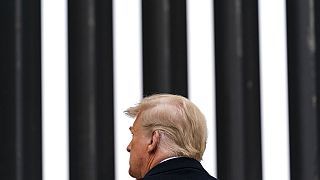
{"points": [[168, 139]]}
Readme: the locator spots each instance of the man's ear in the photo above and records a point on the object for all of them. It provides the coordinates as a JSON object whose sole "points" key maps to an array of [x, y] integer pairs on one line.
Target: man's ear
{"points": [[154, 142]]}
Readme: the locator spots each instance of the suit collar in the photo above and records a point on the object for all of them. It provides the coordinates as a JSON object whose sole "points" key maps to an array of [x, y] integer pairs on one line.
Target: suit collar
{"points": [[176, 163]]}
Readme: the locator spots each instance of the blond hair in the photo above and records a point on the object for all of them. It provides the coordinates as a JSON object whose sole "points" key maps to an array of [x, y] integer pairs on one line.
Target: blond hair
{"points": [[181, 124]]}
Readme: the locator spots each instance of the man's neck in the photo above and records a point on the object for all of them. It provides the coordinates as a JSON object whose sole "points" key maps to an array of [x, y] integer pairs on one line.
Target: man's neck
{"points": [[157, 159]]}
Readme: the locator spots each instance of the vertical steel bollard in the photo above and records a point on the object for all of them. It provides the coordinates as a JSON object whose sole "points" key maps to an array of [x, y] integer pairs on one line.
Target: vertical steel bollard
{"points": [[91, 116], [237, 90], [20, 90], [303, 76], [164, 47]]}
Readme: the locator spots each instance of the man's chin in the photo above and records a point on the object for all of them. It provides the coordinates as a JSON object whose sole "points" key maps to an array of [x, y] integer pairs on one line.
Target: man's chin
{"points": [[132, 174]]}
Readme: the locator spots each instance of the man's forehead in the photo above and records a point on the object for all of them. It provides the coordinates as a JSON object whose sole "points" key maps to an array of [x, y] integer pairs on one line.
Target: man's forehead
{"points": [[134, 125]]}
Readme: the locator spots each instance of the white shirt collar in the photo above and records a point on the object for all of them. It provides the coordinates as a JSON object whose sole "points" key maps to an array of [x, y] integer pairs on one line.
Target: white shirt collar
{"points": [[169, 159]]}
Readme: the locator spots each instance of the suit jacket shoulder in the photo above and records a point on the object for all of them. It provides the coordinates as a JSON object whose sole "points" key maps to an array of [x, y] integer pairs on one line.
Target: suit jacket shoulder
{"points": [[182, 168]]}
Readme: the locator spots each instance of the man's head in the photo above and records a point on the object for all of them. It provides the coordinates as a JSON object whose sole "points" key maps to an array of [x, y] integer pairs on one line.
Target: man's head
{"points": [[165, 126]]}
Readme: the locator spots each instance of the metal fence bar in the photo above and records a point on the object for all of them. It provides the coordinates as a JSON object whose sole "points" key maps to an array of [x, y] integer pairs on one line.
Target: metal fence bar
{"points": [[237, 90], [303, 79], [164, 47], [20, 92], [91, 116]]}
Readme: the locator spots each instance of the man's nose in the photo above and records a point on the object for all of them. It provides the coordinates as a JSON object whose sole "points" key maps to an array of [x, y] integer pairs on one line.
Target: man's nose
{"points": [[129, 147]]}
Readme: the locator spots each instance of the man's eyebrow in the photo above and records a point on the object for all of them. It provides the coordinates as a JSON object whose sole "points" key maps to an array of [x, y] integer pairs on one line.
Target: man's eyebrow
{"points": [[130, 128]]}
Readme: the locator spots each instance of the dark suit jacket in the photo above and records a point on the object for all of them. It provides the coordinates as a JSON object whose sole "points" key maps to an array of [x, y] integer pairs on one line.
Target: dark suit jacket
{"points": [[182, 168]]}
